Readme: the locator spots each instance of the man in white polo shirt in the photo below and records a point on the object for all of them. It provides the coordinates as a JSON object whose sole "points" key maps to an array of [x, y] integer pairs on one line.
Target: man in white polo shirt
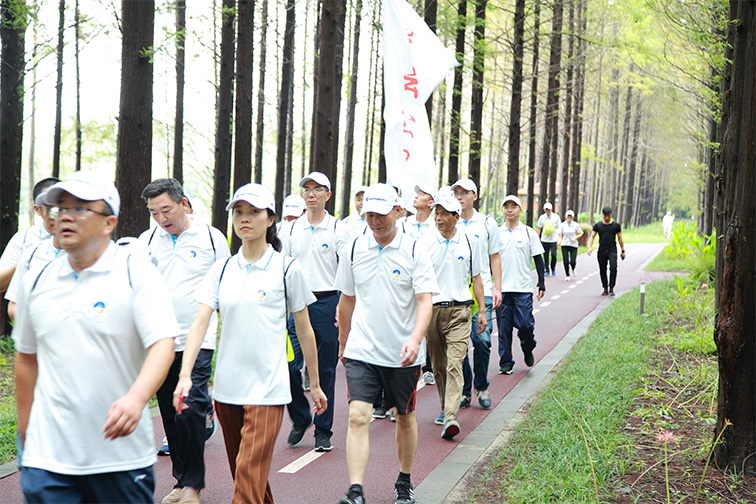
{"points": [[91, 381], [26, 239], [520, 245], [485, 231], [456, 260], [546, 226], [315, 240], [381, 343], [354, 224], [293, 207], [183, 250]]}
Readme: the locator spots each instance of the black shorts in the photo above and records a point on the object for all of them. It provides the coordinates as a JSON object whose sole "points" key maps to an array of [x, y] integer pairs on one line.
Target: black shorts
{"points": [[365, 382]]}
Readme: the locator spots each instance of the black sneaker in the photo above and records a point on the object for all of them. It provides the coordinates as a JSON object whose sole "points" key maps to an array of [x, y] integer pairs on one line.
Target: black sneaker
{"points": [[404, 493], [506, 369], [606, 292], [611, 292], [353, 496], [322, 443], [297, 433], [529, 360], [379, 412], [164, 448]]}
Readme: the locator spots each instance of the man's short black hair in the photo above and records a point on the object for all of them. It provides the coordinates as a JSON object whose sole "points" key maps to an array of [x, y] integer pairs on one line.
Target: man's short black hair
{"points": [[606, 210], [163, 185], [43, 185]]}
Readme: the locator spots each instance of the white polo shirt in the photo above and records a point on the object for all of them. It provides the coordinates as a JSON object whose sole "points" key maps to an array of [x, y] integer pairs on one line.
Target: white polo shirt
{"points": [[32, 258], [520, 245], [569, 232], [419, 230], [316, 248], [91, 332], [183, 261], [484, 229], [251, 366], [21, 241], [385, 281], [354, 226], [454, 262], [548, 238]]}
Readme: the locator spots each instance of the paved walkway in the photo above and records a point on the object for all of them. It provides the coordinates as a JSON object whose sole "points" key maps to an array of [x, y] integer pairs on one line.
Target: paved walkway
{"points": [[300, 475]]}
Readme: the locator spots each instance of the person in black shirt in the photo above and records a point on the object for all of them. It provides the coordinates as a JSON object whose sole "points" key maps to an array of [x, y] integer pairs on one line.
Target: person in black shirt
{"points": [[607, 230]]}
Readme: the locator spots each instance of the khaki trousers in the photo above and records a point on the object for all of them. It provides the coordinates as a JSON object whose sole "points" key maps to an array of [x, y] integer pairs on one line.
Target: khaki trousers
{"points": [[249, 433], [447, 337]]}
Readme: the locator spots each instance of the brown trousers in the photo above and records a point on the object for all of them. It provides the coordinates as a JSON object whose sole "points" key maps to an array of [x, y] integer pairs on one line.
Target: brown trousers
{"points": [[249, 433], [448, 335]]}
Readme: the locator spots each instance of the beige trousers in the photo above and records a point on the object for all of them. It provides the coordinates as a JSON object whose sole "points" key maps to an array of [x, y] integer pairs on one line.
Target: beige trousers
{"points": [[448, 335]]}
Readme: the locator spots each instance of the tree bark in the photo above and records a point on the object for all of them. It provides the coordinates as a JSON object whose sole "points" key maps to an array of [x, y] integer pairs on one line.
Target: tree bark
{"points": [[430, 13], [32, 129], [59, 90], [134, 156], [735, 323], [346, 190], [325, 129], [564, 185], [513, 173], [476, 103], [576, 165], [630, 186], [260, 132], [77, 38], [533, 115], [243, 107], [547, 182], [456, 116], [178, 127], [223, 126], [284, 100]]}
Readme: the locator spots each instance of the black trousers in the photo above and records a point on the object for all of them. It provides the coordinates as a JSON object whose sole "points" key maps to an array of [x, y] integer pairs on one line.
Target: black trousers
{"points": [[608, 256], [569, 258], [549, 255]]}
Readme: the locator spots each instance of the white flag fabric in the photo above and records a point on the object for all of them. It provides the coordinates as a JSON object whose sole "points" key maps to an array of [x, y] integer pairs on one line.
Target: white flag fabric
{"points": [[414, 62]]}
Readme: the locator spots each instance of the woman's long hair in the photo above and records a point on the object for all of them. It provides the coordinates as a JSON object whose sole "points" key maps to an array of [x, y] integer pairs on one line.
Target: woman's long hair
{"points": [[271, 236]]}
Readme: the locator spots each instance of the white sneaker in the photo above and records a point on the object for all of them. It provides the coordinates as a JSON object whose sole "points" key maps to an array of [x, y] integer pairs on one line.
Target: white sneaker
{"points": [[566, 279]]}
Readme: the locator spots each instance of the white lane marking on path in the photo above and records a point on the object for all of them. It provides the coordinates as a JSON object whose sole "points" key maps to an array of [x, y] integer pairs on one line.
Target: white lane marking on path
{"points": [[572, 286], [301, 462], [555, 296], [536, 311], [565, 291], [546, 303]]}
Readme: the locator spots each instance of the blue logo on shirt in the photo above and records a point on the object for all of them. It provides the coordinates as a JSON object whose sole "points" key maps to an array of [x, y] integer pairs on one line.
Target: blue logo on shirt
{"points": [[460, 259], [261, 295], [98, 311], [396, 273], [324, 247], [191, 254]]}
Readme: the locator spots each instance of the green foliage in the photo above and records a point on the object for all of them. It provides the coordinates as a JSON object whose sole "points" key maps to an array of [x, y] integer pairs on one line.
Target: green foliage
{"points": [[698, 250]]}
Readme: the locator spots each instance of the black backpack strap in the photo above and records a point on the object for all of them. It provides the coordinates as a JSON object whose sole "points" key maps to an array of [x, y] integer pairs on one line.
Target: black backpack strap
{"points": [[223, 271], [31, 257], [354, 242], [152, 236], [469, 247], [215, 255], [36, 280], [286, 292]]}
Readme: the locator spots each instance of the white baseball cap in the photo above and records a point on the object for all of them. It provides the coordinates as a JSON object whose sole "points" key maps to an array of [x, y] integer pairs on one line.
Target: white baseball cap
{"points": [[449, 202], [86, 186], [568, 213], [379, 198], [426, 189], [466, 184], [254, 194], [512, 198], [293, 205], [318, 178], [547, 206], [360, 189]]}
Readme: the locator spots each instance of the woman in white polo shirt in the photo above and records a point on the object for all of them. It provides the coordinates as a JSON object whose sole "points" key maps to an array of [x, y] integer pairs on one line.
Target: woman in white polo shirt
{"points": [[569, 233], [253, 290]]}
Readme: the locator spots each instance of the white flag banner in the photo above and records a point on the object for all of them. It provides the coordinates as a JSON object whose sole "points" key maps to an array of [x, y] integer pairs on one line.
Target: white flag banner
{"points": [[414, 62]]}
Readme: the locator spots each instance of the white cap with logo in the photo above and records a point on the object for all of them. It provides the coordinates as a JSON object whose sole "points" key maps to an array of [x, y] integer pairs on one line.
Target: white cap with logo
{"points": [[293, 205], [466, 184], [449, 202], [87, 187], [318, 178], [379, 198], [254, 194]]}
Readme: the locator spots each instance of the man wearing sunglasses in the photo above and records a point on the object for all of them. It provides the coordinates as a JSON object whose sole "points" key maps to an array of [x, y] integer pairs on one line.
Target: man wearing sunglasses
{"points": [[94, 334]]}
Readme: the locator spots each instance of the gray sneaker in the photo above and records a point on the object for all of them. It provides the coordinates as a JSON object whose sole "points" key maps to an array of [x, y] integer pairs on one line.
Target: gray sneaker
{"points": [[483, 398]]}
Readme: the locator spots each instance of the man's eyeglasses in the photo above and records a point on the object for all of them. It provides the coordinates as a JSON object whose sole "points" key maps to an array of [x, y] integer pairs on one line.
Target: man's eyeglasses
{"points": [[74, 212], [458, 194], [316, 190]]}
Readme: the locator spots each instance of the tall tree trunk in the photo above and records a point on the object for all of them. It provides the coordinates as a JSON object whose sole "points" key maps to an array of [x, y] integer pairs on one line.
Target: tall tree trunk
{"points": [[260, 132], [285, 98], [134, 157], [243, 107], [550, 141], [77, 39], [382, 143], [735, 323], [346, 190], [476, 103], [32, 130], [59, 89], [630, 186], [624, 154], [456, 113], [430, 13], [223, 126], [367, 160], [513, 173], [533, 114], [178, 127], [576, 165], [325, 129], [564, 185]]}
